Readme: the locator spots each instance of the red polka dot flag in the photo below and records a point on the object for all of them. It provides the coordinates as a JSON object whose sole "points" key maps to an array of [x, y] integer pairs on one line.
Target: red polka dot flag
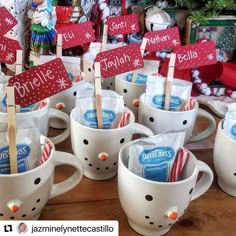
{"points": [[40, 82]]}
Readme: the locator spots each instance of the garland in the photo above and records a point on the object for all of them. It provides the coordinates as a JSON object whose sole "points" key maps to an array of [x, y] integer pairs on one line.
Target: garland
{"points": [[204, 88]]}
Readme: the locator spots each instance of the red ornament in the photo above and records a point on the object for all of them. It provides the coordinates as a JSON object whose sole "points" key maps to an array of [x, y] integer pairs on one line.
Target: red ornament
{"points": [[228, 91]]}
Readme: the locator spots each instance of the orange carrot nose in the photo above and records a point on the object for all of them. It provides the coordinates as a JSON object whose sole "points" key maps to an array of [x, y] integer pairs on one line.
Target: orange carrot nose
{"points": [[14, 206], [136, 103], [103, 156], [173, 215], [60, 105]]}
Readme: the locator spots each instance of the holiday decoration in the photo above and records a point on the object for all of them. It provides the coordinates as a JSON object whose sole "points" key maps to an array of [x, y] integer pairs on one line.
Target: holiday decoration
{"points": [[43, 22], [40, 82], [220, 29], [120, 60], [157, 19], [162, 39], [77, 34], [200, 11], [193, 55], [223, 72]]}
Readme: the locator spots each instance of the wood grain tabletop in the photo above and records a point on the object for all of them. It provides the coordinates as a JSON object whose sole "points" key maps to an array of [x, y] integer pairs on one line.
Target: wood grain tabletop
{"points": [[214, 213]]}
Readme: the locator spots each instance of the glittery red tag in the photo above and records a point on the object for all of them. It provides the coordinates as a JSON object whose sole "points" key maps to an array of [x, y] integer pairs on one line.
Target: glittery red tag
{"points": [[194, 55], [40, 82], [7, 21], [77, 34], [122, 24], [162, 39], [8, 49], [120, 60]]}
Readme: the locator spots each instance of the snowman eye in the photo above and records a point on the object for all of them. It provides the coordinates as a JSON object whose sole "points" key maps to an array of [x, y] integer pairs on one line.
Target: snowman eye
{"points": [[37, 181], [185, 122]]}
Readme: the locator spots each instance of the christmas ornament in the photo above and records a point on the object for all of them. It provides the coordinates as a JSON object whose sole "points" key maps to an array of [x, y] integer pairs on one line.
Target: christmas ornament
{"points": [[204, 88], [157, 19]]}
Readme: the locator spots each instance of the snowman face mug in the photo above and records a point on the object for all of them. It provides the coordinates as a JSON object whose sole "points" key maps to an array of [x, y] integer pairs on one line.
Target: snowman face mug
{"points": [[98, 148], [160, 121], [24, 195], [44, 114], [224, 160], [153, 207]]}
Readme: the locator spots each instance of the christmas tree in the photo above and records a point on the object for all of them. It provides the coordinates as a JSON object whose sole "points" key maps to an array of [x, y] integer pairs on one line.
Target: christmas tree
{"points": [[203, 9]]}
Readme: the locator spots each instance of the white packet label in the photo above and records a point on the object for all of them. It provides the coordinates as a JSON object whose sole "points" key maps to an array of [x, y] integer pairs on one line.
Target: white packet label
{"points": [[150, 67], [153, 157], [27, 145], [155, 93], [229, 123], [72, 65], [112, 108]]}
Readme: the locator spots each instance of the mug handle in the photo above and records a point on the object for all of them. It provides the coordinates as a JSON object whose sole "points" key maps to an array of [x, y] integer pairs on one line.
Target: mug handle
{"points": [[53, 113], [64, 158], [205, 181], [208, 131], [141, 129]]}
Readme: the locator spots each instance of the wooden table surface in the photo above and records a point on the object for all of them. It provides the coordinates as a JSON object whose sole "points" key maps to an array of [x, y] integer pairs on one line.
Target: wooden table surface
{"points": [[214, 213]]}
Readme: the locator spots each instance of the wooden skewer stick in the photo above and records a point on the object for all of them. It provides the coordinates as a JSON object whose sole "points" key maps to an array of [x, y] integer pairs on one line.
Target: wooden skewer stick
{"points": [[59, 46], [104, 38], [142, 48], [169, 80], [11, 114], [19, 60], [98, 94]]}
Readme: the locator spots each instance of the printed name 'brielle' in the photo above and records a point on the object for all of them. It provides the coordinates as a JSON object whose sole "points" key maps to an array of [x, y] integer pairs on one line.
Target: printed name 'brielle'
{"points": [[158, 39], [115, 26], [187, 57], [37, 81], [118, 61]]}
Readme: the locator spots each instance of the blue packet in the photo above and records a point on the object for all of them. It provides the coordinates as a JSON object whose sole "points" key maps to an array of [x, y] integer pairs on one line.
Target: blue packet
{"points": [[229, 123], [153, 157]]}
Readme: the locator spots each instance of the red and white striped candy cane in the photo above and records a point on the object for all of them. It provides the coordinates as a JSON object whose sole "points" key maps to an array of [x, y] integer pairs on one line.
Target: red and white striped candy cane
{"points": [[124, 119], [190, 104], [179, 163], [42, 104], [46, 152]]}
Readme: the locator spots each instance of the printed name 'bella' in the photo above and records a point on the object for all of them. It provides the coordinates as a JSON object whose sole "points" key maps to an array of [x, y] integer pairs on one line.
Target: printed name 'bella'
{"points": [[118, 61], [190, 55]]}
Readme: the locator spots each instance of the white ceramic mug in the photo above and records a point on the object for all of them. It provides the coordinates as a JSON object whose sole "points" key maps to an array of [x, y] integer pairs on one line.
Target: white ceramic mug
{"points": [[224, 161], [153, 207], [65, 101], [160, 121], [98, 149], [44, 114], [131, 93], [88, 69], [24, 195]]}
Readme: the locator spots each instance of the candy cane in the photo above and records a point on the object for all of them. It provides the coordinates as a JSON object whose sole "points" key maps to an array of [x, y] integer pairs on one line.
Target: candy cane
{"points": [[179, 163], [124, 119], [46, 152], [42, 104], [190, 104]]}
